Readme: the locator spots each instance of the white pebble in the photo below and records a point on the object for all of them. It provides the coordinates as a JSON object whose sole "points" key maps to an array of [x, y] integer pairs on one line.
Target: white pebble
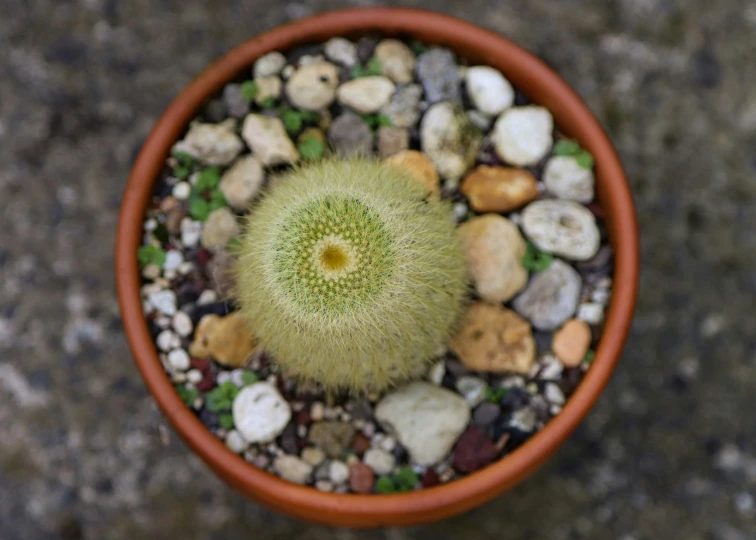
{"points": [[178, 359], [182, 324], [554, 394], [437, 372], [316, 411], [151, 271], [185, 268], [324, 485], [163, 301], [523, 135], [165, 340], [563, 177], [173, 259], [591, 312], [223, 377], [338, 472], [600, 296], [235, 442], [194, 376], [170, 274], [150, 224], [208, 296], [342, 51], [181, 191], [380, 461], [388, 443], [162, 322], [260, 412], [269, 64], [190, 232], [489, 91]]}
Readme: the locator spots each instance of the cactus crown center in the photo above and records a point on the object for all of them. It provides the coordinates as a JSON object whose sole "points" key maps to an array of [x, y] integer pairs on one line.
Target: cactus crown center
{"points": [[334, 254]]}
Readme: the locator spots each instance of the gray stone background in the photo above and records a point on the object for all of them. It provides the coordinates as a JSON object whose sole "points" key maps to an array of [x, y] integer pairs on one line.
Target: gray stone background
{"points": [[670, 449]]}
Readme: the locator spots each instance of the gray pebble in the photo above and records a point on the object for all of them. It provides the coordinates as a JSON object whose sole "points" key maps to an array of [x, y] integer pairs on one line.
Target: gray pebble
{"points": [[486, 413], [350, 135], [439, 75], [551, 297], [236, 105]]}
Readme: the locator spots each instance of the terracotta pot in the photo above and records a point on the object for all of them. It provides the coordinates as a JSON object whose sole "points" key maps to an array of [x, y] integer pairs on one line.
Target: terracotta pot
{"points": [[537, 81]]}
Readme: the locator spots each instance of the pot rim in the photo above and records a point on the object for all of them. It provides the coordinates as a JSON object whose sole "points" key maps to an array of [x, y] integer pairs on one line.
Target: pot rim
{"points": [[539, 83]]}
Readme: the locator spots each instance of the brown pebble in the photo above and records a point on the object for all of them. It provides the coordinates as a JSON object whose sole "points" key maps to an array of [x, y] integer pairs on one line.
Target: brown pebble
{"points": [[173, 220], [168, 204], [499, 189], [571, 342], [419, 166], [361, 443], [430, 478], [361, 478], [473, 450]]}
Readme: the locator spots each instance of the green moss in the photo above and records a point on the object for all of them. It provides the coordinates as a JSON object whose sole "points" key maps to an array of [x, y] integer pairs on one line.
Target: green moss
{"points": [[350, 275]]}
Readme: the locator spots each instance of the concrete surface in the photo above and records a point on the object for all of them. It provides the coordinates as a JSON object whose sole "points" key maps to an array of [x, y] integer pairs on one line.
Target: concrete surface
{"points": [[670, 450]]}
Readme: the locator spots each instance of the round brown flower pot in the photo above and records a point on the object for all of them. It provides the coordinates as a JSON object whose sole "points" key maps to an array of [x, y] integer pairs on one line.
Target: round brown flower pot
{"points": [[544, 87]]}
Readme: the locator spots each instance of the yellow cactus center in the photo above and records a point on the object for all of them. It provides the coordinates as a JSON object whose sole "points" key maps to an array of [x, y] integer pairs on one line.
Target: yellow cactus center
{"points": [[334, 257]]}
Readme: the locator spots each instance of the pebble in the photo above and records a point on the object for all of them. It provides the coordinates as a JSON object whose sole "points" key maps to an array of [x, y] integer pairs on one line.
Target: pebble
{"points": [[313, 87], [380, 461], [404, 108], [571, 342], [486, 414], [269, 64], [260, 413], [419, 166], [494, 249], [178, 359], [361, 478], [342, 51], [591, 312], [234, 101], [208, 296], [499, 189], [524, 419], [194, 376], [551, 368], [293, 469], [489, 91], [242, 182], [267, 138], [494, 339], [235, 442], [366, 95], [151, 271], [523, 135], [324, 485], [554, 394], [426, 419], [392, 140], [268, 88], [338, 472], [313, 456], [397, 60], [214, 144], [449, 139], [551, 297], [436, 372], [163, 301], [332, 437], [565, 228], [439, 75], [167, 340], [564, 178], [181, 191], [173, 259], [317, 410], [221, 226], [191, 231], [227, 339], [349, 135], [473, 389], [473, 451]]}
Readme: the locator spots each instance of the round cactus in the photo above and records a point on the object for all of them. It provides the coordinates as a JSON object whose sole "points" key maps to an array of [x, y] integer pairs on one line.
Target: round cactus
{"points": [[350, 274]]}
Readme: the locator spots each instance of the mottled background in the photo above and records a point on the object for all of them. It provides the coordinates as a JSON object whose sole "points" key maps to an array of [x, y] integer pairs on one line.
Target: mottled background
{"points": [[670, 449]]}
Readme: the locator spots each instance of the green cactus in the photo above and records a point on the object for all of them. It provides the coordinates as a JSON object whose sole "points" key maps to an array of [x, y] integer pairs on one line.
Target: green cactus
{"points": [[350, 274]]}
